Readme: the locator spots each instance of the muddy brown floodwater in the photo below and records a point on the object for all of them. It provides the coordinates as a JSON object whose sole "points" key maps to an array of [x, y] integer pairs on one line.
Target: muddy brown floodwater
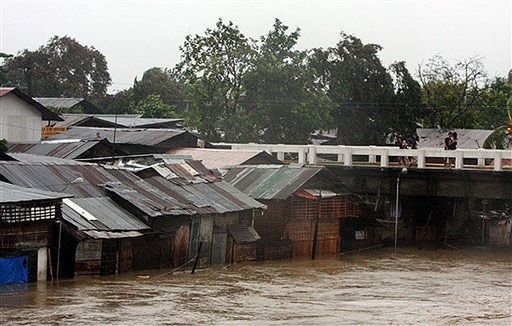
{"points": [[377, 288]]}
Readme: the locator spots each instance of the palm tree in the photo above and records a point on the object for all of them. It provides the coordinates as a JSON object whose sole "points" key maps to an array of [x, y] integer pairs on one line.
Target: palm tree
{"points": [[501, 137]]}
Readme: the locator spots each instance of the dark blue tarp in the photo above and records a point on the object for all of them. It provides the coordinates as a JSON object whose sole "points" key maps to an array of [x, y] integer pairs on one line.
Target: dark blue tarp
{"points": [[13, 270]]}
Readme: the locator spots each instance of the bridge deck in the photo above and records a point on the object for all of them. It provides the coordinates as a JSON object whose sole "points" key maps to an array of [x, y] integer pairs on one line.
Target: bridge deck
{"points": [[385, 156]]}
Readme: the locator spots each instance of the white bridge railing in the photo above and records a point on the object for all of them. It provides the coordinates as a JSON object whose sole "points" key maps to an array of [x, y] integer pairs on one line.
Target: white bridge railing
{"points": [[424, 157]]}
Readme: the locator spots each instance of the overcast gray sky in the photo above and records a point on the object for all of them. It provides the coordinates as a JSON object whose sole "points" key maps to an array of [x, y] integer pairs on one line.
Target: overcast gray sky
{"points": [[137, 35]]}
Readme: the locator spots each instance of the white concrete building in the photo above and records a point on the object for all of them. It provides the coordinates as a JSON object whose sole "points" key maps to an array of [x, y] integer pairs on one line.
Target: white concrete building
{"points": [[21, 116]]}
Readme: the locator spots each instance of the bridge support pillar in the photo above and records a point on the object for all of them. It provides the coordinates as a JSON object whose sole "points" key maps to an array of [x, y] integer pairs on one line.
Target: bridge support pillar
{"points": [[459, 160], [497, 162], [421, 159], [372, 158], [347, 157], [311, 154], [280, 156], [384, 159], [302, 156]]}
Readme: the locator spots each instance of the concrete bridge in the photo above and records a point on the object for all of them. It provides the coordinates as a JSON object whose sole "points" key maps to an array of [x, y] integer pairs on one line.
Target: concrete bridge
{"points": [[373, 170], [383, 156]]}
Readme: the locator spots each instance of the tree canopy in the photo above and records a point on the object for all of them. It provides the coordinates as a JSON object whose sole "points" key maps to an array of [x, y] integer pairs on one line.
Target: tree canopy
{"points": [[233, 88], [62, 67]]}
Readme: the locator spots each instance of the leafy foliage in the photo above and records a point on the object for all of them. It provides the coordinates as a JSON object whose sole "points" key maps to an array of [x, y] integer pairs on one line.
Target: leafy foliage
{"points": [[452, 92], [153, 107], [213, 66], [62, 67], [501, 137], [362, 90], [282, 98]]}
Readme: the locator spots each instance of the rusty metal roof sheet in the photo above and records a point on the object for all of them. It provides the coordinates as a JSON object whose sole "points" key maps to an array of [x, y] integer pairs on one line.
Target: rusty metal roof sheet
{"points": [[221, 158], [270, 181], [10, 193], [205, 198], [139, 136], [69, 150], [153, 197]]}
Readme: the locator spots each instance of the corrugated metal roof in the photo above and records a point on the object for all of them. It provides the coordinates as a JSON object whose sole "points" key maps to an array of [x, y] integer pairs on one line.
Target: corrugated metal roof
{"points": [[10, 193], [138, 122], [270, 181], [103, 214], [59, 102], [70, 150], [467, 138], [221, 158], [154, 197], [46, 114], [150, 137], [48, 160], [243, 233]]}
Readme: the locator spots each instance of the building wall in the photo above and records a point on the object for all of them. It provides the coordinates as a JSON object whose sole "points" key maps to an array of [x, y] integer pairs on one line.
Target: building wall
{"points": [[19, 121]]}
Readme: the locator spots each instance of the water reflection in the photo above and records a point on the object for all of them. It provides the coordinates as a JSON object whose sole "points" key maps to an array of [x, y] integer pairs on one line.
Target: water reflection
{"points": [[430, 287]]}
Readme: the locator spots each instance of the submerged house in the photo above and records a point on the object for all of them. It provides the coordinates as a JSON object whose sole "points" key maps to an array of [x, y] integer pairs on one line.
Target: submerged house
{"points": [[98, 234], [197, 208], [303, 212], [29, 233], [104, 233]]}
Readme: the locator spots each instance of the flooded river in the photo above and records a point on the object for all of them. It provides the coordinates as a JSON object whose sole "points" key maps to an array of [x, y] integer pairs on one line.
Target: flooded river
{"points": [[377, 288]]}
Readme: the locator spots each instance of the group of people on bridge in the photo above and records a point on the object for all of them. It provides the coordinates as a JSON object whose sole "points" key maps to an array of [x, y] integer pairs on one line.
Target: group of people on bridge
{"points": [[450, 143]]}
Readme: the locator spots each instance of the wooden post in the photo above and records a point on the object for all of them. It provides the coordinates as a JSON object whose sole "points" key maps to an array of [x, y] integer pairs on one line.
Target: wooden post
{"points": [[315, 234], [197, 257]]}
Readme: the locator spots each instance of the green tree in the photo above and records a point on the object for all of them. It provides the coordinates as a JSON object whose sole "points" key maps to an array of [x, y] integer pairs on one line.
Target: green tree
{"points": [[158, 81], [213, 65], [407, 108], [153, 107], [361, 89], [3, 69], [283, 103], [491, 111], [62, 67], [452, 93]]}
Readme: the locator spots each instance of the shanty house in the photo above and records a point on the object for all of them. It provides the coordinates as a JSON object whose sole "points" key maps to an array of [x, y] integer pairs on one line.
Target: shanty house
{"points": [[104, 232], [28, 233], [303, 212], [215, 212], [21, 117], [95, 227]]}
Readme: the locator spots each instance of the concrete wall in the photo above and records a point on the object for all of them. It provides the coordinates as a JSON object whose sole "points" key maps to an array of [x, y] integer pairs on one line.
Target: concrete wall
{"points": [[19, 121]]}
